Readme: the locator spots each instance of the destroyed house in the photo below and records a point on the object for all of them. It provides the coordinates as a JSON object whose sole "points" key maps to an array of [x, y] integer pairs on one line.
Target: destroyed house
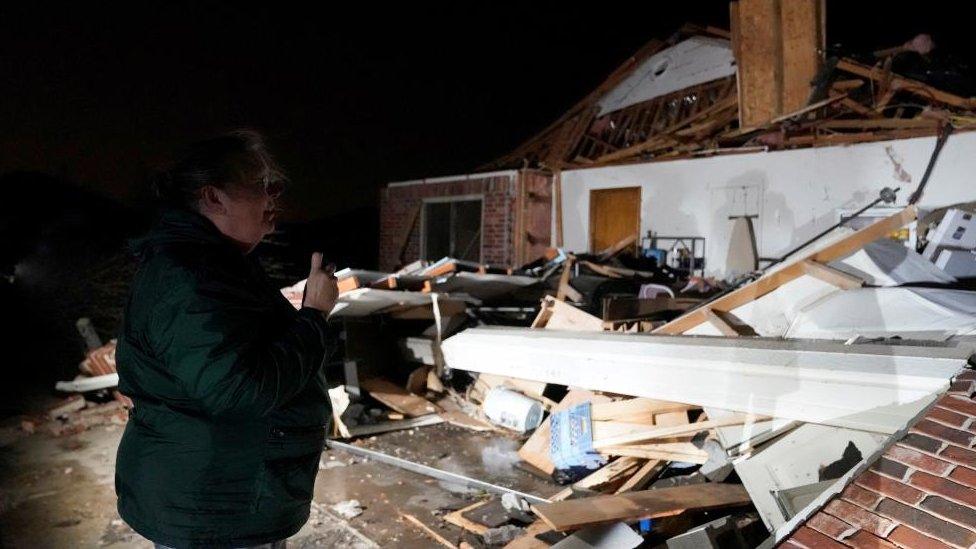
{"points": [[691, 142]]}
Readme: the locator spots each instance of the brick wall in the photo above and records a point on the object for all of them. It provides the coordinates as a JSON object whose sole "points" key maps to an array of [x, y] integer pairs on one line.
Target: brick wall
{"points": [[398, 205], [920, 493]]}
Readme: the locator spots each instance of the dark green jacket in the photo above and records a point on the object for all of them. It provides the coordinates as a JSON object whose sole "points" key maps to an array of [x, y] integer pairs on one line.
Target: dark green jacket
{"points": [[231, 405]]}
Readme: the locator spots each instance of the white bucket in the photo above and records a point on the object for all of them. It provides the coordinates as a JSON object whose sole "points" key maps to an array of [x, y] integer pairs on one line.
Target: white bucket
{"points": [[513, 410]]}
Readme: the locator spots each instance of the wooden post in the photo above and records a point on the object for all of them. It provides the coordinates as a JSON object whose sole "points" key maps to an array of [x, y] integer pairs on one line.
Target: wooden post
{"points": [[778, 46]]}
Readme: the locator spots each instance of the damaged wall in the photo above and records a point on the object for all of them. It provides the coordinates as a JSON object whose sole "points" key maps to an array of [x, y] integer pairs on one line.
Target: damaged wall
{"points": [[401, 224], [795, 193]]}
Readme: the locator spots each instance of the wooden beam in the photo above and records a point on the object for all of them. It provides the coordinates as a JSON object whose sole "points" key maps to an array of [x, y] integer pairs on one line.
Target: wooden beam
{"points": [[348, 284], [643, 475], [769, 282], [663, 502], [564, 287], [759, 61], [671, 432], [913, 86], [428, 530], [720, 324], [802, 35], [831, 275]]}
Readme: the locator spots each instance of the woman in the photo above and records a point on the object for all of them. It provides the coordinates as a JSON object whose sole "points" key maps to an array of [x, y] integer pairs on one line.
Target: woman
{"points": [[230, 403]]}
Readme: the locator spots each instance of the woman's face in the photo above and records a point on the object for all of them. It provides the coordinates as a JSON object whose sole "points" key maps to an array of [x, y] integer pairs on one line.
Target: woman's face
{"points": [[247, 214]]}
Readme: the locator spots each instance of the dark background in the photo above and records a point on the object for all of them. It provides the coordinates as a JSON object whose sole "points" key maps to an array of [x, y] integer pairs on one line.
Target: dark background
{"points": [[92, 99]]}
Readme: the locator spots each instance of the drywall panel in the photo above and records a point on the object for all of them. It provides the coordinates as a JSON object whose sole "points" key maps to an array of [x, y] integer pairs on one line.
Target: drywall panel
{"points": [[696, 60]]}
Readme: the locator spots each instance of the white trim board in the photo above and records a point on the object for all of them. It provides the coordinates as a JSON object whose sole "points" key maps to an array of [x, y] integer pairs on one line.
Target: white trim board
{"points": [[874, 388]]}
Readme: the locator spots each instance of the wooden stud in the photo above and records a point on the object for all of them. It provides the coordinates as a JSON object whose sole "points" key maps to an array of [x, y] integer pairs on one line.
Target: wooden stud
{"points": [[831, 275], [719, 323]]}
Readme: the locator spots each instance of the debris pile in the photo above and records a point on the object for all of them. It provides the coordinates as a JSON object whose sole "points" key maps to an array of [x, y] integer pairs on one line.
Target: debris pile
{"points": [[649, 431]]}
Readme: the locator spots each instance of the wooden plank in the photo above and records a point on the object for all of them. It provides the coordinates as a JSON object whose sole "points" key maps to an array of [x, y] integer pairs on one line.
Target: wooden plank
{"points": [[775, 279], [564, 278], [621, 245], [643, 475], [654, 454], [529, 541], [397, 398], [458, 519], [348, 284], [625, 410], [831, 275], [461, 419], [803, 40], [914, 86], [668, 432], [557, 315], [884, 123], [428, 530], [759, 61], [610, 473], [664, 502], [720, 324]]}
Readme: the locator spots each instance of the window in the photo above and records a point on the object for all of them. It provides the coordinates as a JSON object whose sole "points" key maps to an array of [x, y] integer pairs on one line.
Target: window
{"points": [[452, 228]]}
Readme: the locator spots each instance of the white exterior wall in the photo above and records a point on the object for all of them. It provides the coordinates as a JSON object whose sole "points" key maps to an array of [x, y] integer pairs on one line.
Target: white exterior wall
{"points": [[796, 193]]}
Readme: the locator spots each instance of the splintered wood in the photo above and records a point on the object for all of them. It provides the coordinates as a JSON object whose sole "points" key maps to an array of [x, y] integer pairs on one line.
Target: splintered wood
{"points": [[397, 398], [783, 96]]}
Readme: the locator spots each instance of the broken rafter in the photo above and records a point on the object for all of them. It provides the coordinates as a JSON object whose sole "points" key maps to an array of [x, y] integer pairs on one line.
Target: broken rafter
{"points": [[912, 86]]}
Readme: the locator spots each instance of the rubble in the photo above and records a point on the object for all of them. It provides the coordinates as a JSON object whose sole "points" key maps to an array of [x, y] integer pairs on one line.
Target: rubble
{"points": [[643, 425]]}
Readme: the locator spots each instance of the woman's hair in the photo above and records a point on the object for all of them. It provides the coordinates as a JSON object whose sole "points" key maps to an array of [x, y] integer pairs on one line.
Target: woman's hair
{"points": [[238, 158]]}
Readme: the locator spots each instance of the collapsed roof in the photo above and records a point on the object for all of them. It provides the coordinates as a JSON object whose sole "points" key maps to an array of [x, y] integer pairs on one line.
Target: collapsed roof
{"points": [[681, 98]]}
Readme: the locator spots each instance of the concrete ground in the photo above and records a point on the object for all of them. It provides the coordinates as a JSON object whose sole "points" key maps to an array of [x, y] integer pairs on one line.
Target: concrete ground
{"points": [[58, 491]]}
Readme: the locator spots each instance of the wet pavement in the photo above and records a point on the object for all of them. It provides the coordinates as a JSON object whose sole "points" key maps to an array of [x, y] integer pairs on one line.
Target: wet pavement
{"points": [[59, 491]]}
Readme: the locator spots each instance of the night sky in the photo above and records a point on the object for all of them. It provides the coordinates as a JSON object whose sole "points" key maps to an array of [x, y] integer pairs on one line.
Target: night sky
{"points": [[348, 99]]}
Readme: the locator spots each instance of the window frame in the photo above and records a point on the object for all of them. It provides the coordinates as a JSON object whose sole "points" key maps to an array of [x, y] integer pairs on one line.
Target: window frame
{"points": [[452, 198]]}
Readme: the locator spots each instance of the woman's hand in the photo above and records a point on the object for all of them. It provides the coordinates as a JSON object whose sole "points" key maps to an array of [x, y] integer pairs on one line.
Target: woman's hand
{"points": [[321, 288]]}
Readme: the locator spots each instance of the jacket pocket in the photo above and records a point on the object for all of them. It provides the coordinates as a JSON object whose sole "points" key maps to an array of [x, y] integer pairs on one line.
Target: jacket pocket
{"points": [[291, 463]]}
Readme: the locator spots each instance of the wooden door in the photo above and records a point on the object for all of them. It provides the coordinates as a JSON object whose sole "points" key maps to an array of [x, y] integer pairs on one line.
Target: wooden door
{"points": [[614, 215]]}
